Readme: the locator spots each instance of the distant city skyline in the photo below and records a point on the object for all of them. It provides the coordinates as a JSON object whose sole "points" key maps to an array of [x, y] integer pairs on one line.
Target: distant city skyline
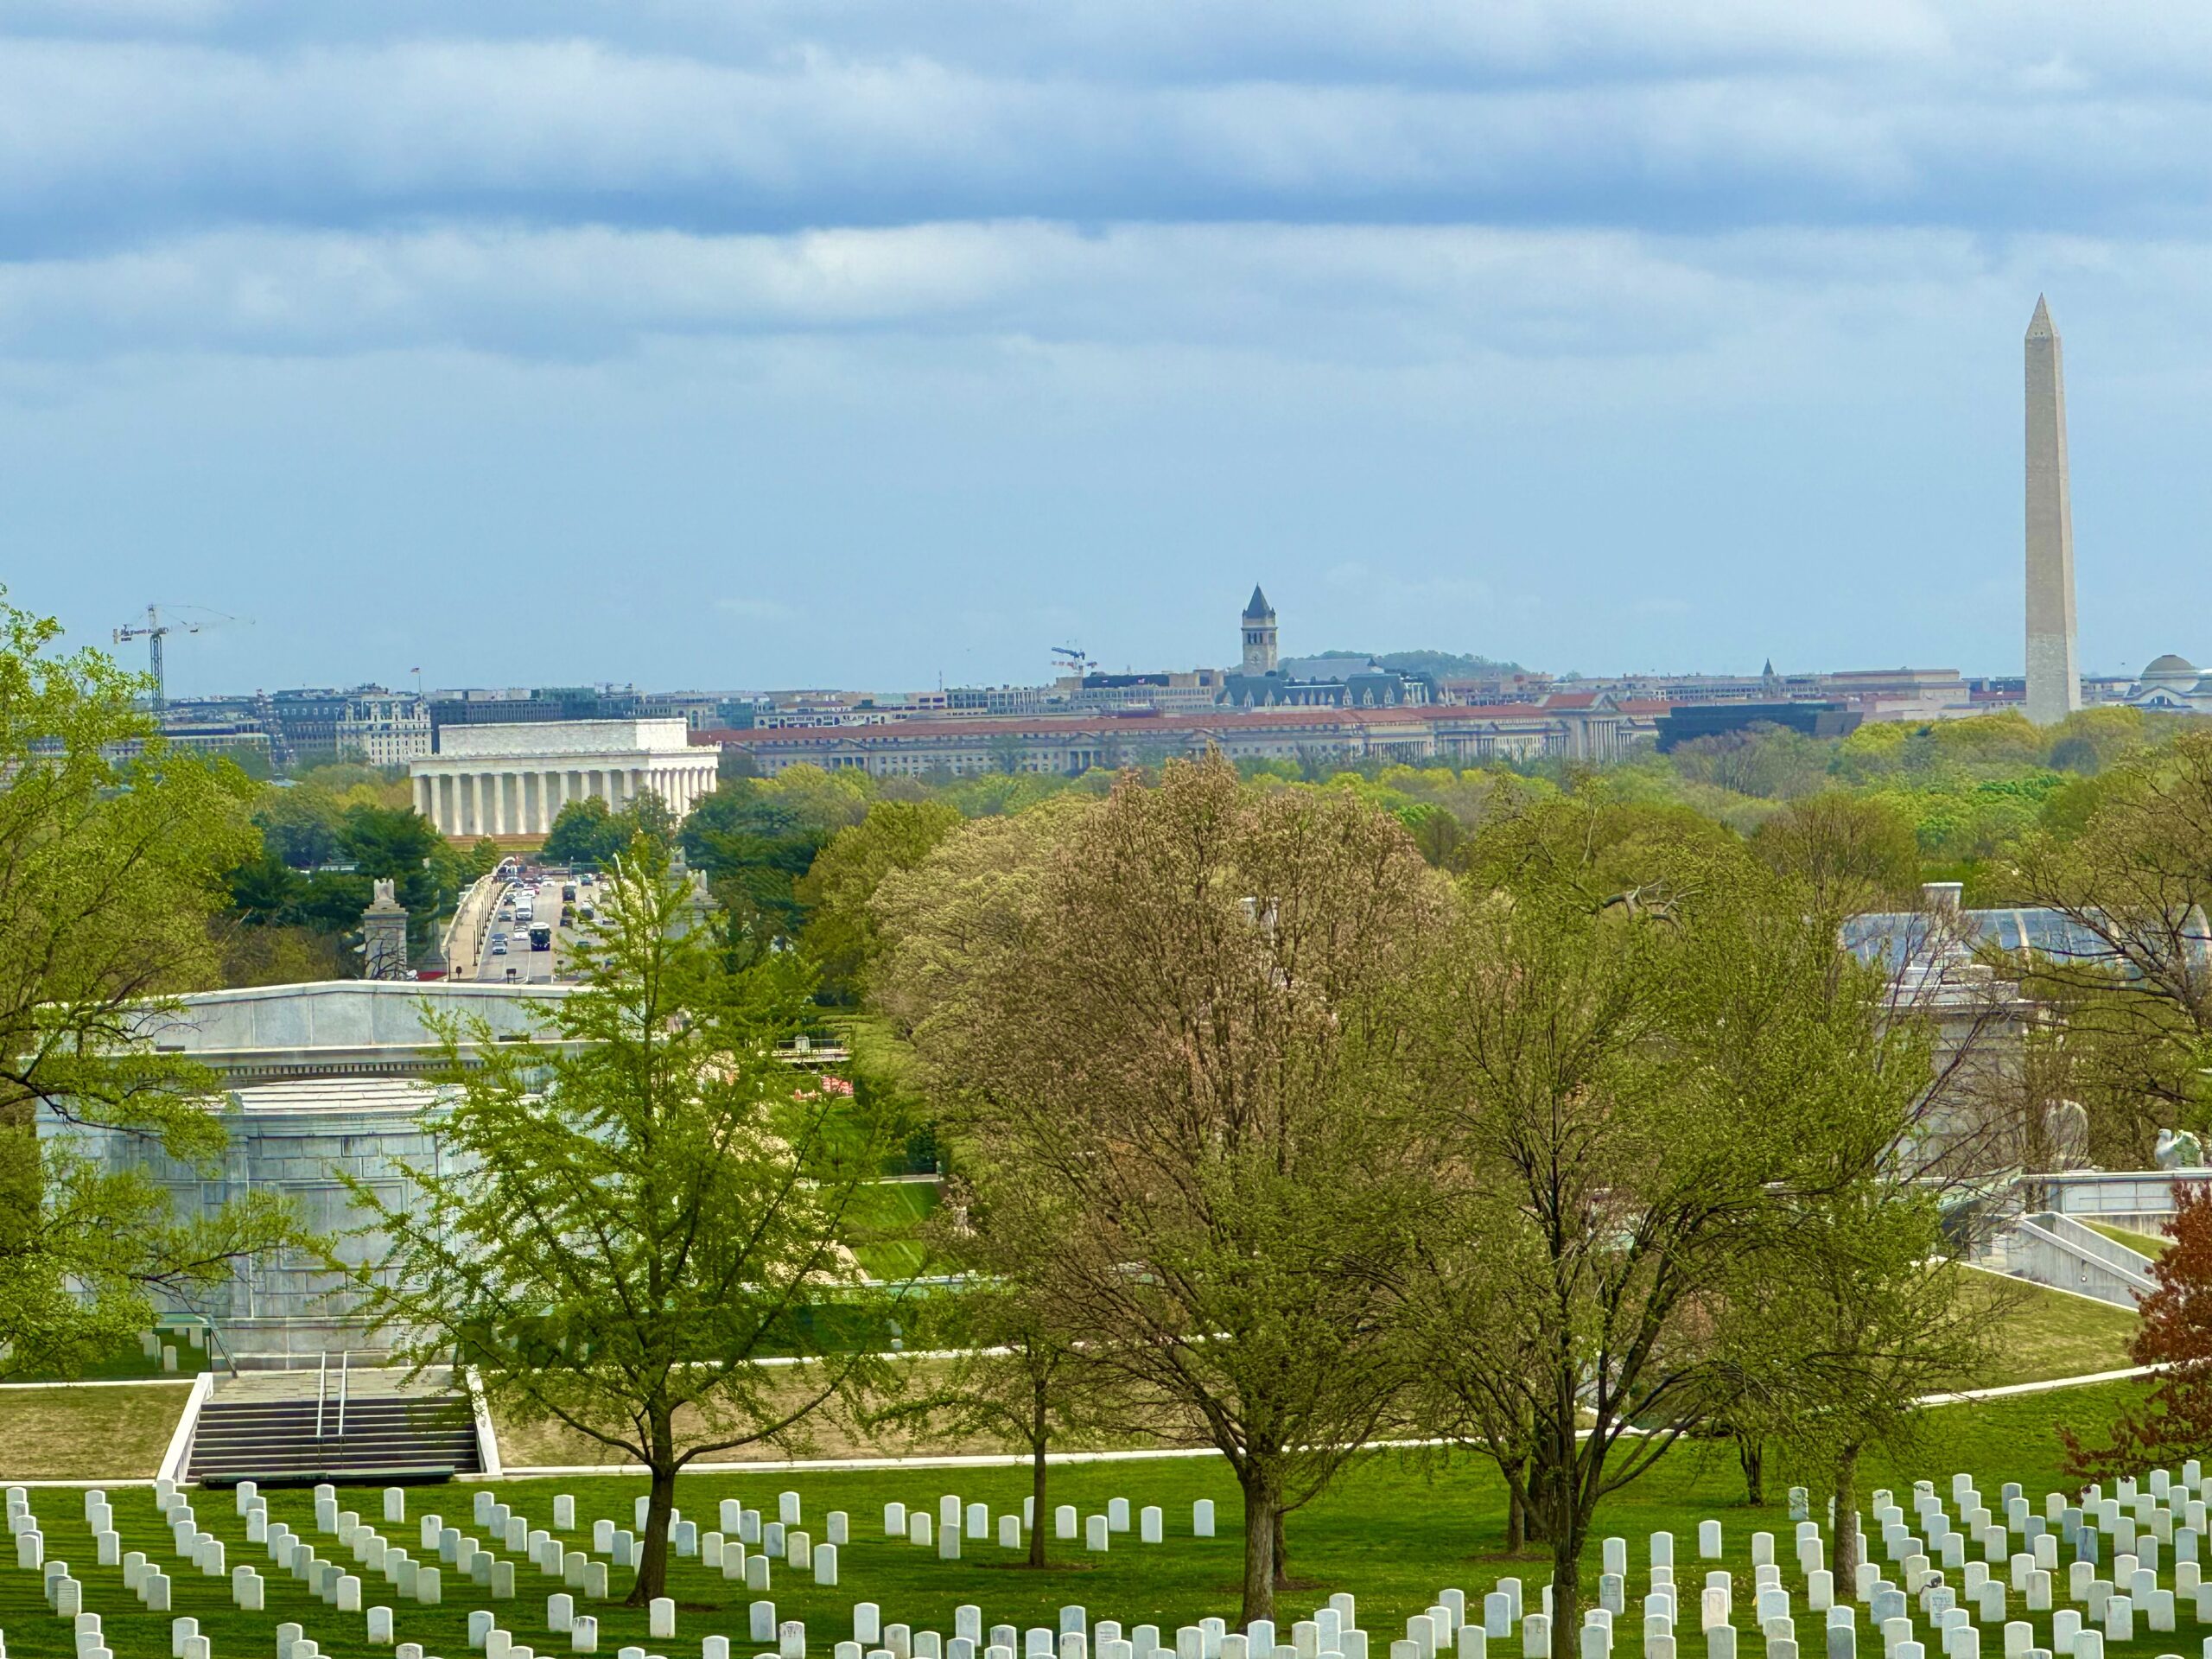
{"points": [[870, 346]]}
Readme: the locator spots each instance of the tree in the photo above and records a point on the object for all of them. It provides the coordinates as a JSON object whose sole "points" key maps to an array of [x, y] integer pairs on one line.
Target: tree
{"points": [[1831, 1340], [2175, 1423], [393, 842], [111, 874], [627, 1216], [1181, 1019], [756, 838], [1647, 1052], [586, 834], [841, 934], [299, 826], [2134, 986], [649, 816], [1019, 1375], [1849, 853], [1762, 760]]}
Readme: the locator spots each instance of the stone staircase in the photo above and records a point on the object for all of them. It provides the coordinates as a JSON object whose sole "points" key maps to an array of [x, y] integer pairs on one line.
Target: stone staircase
{"points": [[300, 1428]]}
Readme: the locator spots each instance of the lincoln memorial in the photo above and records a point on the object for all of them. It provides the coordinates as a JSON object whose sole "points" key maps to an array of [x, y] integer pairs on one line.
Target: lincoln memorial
{"points": [[514, 780]]}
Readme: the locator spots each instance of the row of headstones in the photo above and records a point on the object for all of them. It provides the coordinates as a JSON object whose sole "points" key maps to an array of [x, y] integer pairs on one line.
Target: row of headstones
{"points": [[422, 1582], [2031, 1573], [2156, 1520], [294, 1643], [778, 1541], [2111, 1602], [974, 1520], [64, 1593], [341, 1590], [1331, 1633], [150, 1344], [193, 1544]]}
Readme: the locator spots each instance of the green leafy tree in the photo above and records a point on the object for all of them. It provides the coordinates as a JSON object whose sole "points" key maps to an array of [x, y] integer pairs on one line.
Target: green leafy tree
{"points": [[1019, 1375], [2136, 997], [586, 834], [838, 890], [756, 840], [388, 842], [302, 827], [1645, 1053], [1848, 853], [1829, 1341], [649, 816], [628, 1216], [1182, 1022], [110, 878], [266, 891]]}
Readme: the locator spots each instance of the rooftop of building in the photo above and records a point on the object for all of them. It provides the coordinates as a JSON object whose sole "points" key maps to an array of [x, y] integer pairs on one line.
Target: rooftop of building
{"points": [[1907, 939], [341, 1015], [1135, 726]]}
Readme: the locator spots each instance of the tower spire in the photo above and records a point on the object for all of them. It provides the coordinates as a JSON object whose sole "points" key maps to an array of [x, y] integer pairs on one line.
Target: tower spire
{"points": [[1259, 631], [2054, 673]]}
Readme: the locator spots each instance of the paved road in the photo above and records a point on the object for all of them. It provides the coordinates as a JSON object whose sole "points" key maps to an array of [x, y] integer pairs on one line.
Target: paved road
{"points": [[521, 962]]}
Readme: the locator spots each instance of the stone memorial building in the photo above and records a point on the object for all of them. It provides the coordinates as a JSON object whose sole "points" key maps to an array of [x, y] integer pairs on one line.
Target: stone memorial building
{"points": [[315, 1079], [513, 780]]}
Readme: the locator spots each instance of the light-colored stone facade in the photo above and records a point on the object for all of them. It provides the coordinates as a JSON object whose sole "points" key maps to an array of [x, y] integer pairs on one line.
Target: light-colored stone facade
{"points": [[1570, 726], [312, 1080], [385, 729], [2054, 672], [513, 779]]}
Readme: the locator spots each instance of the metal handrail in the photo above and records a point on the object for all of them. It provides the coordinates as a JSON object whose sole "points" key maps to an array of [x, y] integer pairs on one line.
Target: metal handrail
{"points": [[343, 1360], [322, 1391]]}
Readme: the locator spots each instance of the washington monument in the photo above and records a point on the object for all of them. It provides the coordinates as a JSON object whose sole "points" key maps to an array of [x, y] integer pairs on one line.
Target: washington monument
{"points": [[2054, 675]]}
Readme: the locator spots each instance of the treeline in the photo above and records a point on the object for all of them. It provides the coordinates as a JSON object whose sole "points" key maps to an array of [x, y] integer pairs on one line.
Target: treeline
{"points": [[327, 837], [1268, 1136], [795, 857]]}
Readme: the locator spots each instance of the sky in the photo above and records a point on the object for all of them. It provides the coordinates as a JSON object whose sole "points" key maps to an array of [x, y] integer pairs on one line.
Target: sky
{"points": [[858, 342]]}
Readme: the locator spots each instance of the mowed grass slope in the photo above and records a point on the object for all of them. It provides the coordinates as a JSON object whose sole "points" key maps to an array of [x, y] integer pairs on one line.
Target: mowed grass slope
{"points": [[80, 1434], [1393, 1531], [2153, 1245], [2051, 1333]]}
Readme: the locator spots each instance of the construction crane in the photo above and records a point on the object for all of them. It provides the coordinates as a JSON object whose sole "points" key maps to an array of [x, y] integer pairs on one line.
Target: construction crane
{"points": [[1071, 659], [153, 631]]}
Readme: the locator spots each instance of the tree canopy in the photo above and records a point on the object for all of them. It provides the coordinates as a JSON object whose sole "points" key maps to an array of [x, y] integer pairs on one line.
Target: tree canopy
{"points": [[114, 848], [637, 1207]]}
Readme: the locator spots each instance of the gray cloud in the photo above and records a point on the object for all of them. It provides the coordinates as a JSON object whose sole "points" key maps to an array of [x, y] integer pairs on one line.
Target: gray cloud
{"points": [[1508, 314], [1725, 113]]}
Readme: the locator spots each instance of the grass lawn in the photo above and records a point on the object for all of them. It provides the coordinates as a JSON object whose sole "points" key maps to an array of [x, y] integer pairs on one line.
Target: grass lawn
{"points": [[2152, 1245], [87, 1433], [887, 1213], [2051, 1334], [831, 1433], [1393, 1531], [2047, 1333]]}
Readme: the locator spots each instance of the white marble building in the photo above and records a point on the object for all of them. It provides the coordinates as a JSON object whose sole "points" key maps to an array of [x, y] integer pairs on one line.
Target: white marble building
{"points": [[513, 779], [2172, 685]]}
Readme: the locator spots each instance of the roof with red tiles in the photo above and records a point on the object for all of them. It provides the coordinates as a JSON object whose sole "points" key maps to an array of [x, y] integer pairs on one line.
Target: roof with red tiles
{"points": [[1136, 727]]}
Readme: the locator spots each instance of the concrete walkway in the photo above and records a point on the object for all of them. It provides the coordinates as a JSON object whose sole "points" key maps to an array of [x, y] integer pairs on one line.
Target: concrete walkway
{"points": [[361, 1382]]}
